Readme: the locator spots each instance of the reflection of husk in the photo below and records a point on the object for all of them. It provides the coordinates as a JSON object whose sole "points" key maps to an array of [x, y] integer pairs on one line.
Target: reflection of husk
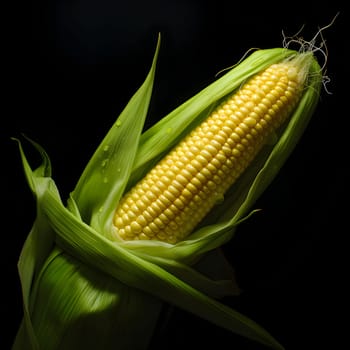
{"points": [[82, 290]]}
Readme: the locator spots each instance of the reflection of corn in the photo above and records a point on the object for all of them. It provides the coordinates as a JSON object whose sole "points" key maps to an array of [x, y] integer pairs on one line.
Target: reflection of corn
{"points": [[181, 189]]}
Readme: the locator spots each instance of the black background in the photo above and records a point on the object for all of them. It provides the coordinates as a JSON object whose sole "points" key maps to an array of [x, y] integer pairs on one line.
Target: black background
{"points": [[71, 66]]}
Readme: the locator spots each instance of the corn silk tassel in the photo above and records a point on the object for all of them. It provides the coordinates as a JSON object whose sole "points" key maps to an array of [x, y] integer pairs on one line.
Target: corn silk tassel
{"points": [[87, 286]]}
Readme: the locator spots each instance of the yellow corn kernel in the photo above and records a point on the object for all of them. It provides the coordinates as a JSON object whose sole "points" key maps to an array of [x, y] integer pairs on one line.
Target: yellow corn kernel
{"points": [[183, 187]]}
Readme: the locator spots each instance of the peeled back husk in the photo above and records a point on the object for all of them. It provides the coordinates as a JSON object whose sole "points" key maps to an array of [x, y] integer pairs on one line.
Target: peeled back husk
{"points": [[80, 289]]}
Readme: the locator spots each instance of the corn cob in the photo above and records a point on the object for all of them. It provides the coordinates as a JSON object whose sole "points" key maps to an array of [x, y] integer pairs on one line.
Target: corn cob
{"points": [[119, 284], [184, 186]]}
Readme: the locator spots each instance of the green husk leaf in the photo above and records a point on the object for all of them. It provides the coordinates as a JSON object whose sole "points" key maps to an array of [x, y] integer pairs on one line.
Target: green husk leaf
{"points": [[37, 246], [110, 167]]}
